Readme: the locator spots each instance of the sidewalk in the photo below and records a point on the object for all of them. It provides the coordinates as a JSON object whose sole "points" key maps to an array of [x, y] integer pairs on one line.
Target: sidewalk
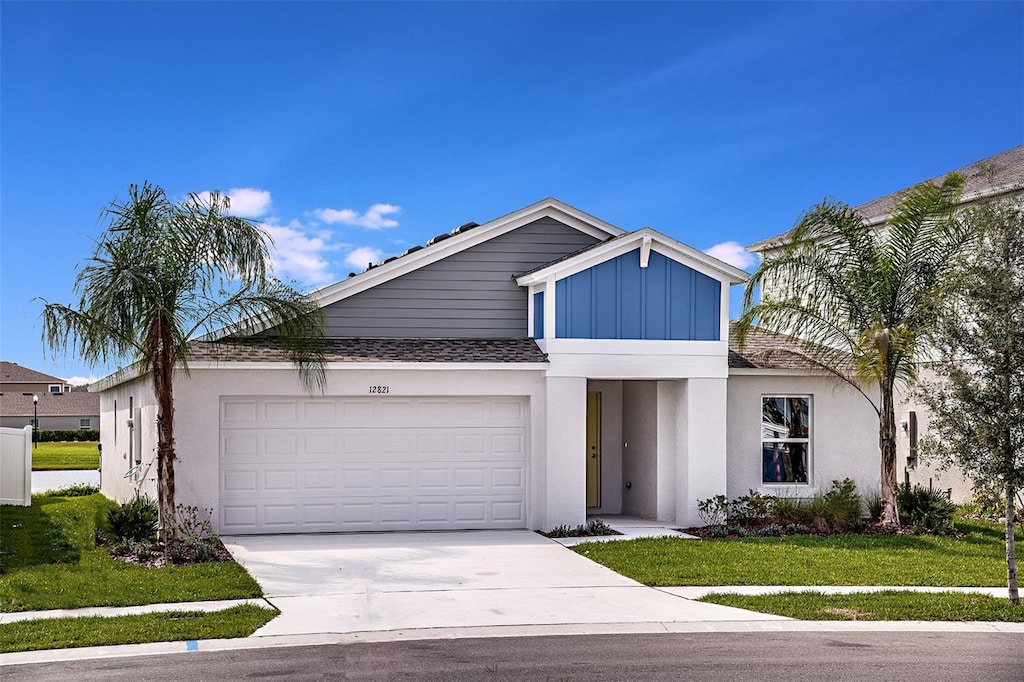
{"points": [[743, 621]]}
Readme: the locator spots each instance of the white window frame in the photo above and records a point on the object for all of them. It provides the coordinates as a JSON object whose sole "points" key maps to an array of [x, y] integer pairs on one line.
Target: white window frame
{"points": [[85, 423], [809, 441], [60, 389]]}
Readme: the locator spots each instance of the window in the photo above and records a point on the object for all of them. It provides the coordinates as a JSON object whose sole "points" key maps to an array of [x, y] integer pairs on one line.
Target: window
{"points": [[84, 423], [785, 438], [55, 388]]}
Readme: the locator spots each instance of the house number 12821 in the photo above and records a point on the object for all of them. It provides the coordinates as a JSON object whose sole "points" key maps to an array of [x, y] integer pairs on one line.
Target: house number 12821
{"points": [[380, 389]]}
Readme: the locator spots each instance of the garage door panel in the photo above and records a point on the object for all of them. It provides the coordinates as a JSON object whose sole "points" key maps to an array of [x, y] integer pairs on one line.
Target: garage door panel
{"points": [[304, 465]]}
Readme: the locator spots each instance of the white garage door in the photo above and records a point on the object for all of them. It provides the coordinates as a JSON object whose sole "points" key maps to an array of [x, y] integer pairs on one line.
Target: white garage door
{"points": [[300, 465]]}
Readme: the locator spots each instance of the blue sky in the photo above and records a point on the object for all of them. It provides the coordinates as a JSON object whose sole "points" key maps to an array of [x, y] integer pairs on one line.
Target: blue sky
{"points": [[355, 130]]}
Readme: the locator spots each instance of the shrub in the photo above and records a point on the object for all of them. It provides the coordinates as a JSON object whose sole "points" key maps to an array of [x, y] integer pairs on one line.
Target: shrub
{"points": [[78, 490], [192, 522], [772, 530], [134, 520], [713, 511], [838, 510], [717, 531], [873, 506], [929, 509], [67, 435], [841, 505], [750, 508], [796, 529], [141, 551]]}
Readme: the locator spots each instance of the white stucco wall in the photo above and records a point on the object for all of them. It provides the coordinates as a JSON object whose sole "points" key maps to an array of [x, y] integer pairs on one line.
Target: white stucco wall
{"points": [[120, 445], [197, 403], [640, 448], [928, 472], [702, 429], [566, 447], [844, 434]]}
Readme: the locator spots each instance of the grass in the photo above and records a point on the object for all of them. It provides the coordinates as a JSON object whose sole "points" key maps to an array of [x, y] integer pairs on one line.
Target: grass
{"points": [[49, 560], [888, 605], [977, 559], [58, 456], [168, 626]]}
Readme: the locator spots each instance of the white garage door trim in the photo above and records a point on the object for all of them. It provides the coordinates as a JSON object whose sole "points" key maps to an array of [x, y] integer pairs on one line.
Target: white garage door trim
{"points": [[301, 464]]}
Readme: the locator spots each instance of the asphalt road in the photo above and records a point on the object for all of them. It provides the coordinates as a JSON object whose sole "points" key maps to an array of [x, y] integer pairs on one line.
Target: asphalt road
{"points": [[715, 657]]}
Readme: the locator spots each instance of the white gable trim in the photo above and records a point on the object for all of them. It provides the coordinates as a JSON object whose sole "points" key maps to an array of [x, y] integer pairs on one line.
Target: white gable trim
{"points": [[666, 246], [548, 208]]}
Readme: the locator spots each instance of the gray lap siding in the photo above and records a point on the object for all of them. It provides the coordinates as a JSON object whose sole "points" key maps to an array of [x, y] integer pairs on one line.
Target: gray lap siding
{"points": [[470, 294]]}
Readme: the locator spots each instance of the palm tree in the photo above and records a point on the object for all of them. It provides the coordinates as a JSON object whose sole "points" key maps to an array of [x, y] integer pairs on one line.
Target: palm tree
{"points": [[163, 272], [863, 298]]}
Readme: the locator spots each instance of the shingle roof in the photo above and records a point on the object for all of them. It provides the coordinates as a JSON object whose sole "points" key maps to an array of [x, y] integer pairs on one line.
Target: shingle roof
{"points": [[768, 350], [376, 350], [11, 372], [1004, 170], [14, 404]]}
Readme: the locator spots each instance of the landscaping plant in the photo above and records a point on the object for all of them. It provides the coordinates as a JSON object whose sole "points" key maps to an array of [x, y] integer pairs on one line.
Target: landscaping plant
{"points": [[163, 272], [863, 298], [977, 398]]}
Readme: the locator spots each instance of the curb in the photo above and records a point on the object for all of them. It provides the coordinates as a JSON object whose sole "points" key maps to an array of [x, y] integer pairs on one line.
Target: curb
{"points": [[689, 627]]}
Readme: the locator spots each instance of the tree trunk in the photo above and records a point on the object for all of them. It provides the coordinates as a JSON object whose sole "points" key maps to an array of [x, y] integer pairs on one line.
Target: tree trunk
{"points": [[887, 449], [163, 368], [1011, 549]]}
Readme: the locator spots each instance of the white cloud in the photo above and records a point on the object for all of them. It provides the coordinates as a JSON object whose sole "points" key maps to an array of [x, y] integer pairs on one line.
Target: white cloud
{"points": [[81, 381], [373, 218], [359, 258], [732, 253], [298, 253], [246, 202]]}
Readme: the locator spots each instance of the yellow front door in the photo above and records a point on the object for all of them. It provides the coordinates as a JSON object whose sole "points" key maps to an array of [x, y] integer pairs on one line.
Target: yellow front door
{"points": [[593, 448]]}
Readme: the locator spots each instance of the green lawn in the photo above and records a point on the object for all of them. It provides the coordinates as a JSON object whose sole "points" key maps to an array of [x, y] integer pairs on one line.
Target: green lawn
{"points": [[55, 456], [891, 605], [977, 559], [49, 560], [168, 626]]}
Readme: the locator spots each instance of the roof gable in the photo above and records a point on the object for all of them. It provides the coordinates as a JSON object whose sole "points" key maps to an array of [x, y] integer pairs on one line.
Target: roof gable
{"points": [[647, 240], [462, 240], [13, 373], [991, 177]]}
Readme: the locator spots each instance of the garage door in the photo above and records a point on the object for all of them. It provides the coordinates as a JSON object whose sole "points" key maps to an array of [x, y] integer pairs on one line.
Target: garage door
{"points": [[299, 465]]}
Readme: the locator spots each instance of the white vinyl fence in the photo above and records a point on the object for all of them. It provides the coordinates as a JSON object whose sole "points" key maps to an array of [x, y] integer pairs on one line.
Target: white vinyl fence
{"points": [[16, 466]]}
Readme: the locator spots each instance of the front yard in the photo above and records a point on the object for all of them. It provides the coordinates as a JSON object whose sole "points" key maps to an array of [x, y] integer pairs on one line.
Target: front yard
{"points": [[49, 560], [977, 559]]}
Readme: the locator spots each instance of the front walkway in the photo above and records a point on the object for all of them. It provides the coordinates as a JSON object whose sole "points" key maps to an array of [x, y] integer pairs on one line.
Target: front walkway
{"points": [[628, 528]]}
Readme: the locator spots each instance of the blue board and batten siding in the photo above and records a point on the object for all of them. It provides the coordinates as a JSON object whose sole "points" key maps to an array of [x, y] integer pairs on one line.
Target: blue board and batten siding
{"points": [[618, 299], [538, 315]]}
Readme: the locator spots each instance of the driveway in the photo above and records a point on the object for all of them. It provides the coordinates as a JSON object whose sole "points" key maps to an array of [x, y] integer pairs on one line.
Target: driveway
{"points": [[340, 583]]}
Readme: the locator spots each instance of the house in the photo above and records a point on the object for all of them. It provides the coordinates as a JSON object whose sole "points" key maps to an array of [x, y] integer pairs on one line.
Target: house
{"points": [[521, 373], [58, 406], [993, 178]]}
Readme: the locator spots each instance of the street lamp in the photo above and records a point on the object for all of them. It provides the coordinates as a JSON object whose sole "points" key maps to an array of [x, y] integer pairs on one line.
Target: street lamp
{"points": [[35, 422]]}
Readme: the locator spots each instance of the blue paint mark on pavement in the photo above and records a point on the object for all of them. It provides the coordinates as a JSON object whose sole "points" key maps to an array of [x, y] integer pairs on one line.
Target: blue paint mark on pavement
{"points": [[192, 645]]}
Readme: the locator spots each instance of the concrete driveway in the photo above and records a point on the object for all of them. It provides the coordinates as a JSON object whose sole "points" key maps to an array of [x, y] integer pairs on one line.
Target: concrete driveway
{"points": [[397, 581]]}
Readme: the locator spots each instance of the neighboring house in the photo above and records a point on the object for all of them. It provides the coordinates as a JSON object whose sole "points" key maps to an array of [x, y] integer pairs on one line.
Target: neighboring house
{"points": [[59, 407], [517, 374], [996, 177]]}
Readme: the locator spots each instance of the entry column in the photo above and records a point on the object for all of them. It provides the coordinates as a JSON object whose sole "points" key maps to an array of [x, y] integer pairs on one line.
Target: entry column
{"points": [[566, 439], [701, 465]]}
